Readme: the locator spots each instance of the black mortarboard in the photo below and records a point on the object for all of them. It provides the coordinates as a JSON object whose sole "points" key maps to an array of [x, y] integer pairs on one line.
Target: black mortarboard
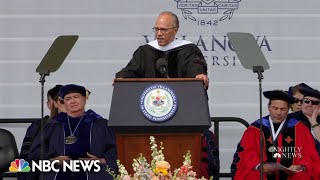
{"points": [[278, 95], [310, 92], [72, 88], [301, 86], [54, 92]]}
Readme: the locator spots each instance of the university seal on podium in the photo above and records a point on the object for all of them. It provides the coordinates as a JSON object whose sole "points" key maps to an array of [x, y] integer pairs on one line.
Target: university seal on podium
{"points": [[158, 103]]}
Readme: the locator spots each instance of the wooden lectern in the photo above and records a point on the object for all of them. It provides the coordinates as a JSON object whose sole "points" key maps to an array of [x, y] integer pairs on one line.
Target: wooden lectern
{"points": [[180, 132]]}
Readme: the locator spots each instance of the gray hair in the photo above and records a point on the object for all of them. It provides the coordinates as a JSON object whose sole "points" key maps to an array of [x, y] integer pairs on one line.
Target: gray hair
{"points": [[174, 16]]}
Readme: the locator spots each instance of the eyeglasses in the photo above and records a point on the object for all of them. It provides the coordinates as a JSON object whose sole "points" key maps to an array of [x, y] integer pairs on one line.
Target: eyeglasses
{"points": [[307, 101], [298, 100], [162, 30]]}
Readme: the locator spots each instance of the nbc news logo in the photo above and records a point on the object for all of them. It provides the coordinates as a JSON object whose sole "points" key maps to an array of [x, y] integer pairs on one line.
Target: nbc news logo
{"points": [[19, 165]]}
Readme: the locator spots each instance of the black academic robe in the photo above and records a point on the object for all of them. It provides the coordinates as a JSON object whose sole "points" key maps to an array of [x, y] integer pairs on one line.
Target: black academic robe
{"points": [[303, 118], [33, 130], [93, 136], [185, 60], [293, 134]]}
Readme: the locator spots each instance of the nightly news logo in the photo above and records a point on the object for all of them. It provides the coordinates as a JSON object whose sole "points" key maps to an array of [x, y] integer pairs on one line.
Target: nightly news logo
{"points": [[286, 152], [20, 165]]}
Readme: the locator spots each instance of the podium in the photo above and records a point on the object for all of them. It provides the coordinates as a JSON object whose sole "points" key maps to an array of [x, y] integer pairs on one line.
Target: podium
{"points": [[173, 110]]}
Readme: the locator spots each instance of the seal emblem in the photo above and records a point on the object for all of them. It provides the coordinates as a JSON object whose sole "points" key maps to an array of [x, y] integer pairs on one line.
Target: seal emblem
{"points": [[224, 7], [158, 103]]}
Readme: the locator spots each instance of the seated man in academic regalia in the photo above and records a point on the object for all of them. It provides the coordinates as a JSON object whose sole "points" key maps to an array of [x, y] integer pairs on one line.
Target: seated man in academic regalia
{"points": [[287, 141], [77, 135], [183, 59]]}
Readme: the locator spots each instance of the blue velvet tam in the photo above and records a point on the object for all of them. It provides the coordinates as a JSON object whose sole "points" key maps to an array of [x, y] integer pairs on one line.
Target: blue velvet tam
{"points": [[310, 92], [279, 95], [72, 88], [54, 92], [300, 86]]}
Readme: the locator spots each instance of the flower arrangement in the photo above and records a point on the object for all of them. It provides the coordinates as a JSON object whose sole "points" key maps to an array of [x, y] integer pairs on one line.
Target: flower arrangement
{"points": [[158, 169]]}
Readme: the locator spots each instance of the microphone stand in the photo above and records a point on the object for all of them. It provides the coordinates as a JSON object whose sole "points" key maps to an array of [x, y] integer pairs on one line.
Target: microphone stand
{"points": [[259, 70]]}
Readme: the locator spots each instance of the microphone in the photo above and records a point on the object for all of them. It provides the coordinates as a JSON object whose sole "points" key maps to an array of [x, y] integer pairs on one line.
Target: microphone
{"points": [[162, 66]]}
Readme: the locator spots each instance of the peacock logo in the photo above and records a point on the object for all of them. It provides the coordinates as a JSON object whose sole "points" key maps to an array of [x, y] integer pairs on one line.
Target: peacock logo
{"points": [[19, 165]]}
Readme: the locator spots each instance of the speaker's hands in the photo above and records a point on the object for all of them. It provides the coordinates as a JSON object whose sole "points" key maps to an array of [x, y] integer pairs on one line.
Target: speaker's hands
{"points": [[205, 80]]}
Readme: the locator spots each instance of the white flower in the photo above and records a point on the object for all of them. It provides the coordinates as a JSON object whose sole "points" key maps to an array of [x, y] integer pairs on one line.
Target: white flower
{"points": [[145, 171]]}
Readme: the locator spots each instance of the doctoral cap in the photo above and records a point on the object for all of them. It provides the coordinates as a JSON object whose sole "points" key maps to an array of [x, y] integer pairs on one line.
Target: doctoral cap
{"points": [[278, 95], [310, 92], [54, 92], [72, 88], [300, 86]]}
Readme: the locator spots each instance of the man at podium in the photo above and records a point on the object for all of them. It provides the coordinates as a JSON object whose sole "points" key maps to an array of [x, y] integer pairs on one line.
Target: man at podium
{"points": [[166, 57]]}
